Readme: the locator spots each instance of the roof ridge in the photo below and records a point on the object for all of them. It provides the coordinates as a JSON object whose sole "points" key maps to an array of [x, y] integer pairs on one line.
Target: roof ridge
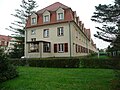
{"points": [[50, 6]]}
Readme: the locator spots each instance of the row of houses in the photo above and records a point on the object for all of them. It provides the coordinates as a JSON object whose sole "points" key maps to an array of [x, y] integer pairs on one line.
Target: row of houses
{"points": [[56, 31]]}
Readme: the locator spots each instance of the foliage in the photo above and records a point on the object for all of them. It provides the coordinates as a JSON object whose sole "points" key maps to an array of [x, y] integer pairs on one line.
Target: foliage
{"points": [[108, 16], [17, 51], [7, 71], [107, 63], [18, 26], [35, 78], [48, 62]]}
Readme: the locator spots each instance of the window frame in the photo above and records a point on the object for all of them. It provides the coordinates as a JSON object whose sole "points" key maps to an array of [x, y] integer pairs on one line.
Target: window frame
{"points": [[60, 31], [46, 34], [33, 32], [46, 47], [34, 20], [61, 16], [61, 47], [46, 18]]}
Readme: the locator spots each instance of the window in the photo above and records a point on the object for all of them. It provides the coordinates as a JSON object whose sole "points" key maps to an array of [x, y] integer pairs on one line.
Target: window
{"points": [[46, 18], [33, 32], [60, 31], [60, 16], [34, 20], [33, 39], [34, 47], [60, 47], [46, 47], [46, 33]]}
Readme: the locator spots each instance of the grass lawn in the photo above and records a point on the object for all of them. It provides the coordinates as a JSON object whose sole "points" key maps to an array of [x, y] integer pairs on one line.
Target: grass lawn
{"points": [[34, 78]]}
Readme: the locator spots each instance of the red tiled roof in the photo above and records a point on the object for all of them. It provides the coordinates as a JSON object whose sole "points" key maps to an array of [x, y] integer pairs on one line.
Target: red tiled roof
{"points": [[5, 38], [53, 7]]}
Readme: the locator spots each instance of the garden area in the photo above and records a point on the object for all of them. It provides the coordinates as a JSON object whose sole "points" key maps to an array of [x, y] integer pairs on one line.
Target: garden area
{"points": [[76, 73], [36, 78]]}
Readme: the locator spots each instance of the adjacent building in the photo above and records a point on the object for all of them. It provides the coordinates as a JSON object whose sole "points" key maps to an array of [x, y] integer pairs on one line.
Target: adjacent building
{"points": [[4, 41], [56, 31]]}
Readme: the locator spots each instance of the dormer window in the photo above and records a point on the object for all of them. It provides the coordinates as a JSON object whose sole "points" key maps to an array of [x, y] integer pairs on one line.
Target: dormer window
{"points": [[34, 20], [46, 18], [60, 16]]}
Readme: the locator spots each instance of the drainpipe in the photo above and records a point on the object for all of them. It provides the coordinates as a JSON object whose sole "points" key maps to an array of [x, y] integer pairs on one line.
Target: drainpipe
{"points": [[25, 45], [70, 38]]}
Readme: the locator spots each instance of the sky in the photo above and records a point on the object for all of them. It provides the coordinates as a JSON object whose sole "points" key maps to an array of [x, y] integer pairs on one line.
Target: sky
{"points": [[84, 9]]}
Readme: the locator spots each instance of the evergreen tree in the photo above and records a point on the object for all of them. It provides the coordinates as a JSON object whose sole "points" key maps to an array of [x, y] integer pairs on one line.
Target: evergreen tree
{"points": [[109, 17], [18, 26]]}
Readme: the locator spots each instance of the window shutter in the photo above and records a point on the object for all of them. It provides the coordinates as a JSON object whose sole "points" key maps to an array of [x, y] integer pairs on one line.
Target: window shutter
{"points": [[55, 48], [66, 47]]}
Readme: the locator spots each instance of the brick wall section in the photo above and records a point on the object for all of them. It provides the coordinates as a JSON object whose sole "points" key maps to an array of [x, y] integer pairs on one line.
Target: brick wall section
{"points": [[53, 17]]}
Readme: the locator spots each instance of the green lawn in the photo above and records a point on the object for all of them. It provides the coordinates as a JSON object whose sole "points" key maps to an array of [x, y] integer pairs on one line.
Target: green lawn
{"points": [[33, 78]]}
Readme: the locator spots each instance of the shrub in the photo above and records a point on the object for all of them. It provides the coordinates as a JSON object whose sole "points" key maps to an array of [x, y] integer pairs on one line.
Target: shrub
{"points": [[48, 62], [7, 71], [110, 63], [54, 62]]}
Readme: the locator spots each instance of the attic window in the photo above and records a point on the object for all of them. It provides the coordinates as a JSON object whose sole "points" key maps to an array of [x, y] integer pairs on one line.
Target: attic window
{"points": [[60, 16], [46, 18], [34, 20]]}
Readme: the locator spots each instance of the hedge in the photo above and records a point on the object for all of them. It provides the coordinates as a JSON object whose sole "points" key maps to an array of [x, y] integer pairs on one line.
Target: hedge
{"points": [[85, 62], [108, 63], [48, 62]]}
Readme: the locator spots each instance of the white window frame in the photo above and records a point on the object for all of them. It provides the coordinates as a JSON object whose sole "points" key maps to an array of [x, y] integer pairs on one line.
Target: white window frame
{"points": [[33, 32], [46, 33], [60, 16], [60, 31], [46, 18], [34, 20], [61, 47]]}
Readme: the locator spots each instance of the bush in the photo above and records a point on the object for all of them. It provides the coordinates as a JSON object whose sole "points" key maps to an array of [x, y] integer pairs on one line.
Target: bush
{"points": [[108, 63], [7, 71], [48, 62]]}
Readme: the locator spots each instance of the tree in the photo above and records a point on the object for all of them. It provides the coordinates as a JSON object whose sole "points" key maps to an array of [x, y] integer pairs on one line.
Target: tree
{"points": [[7, 71], [18, 26], [109, 17]]}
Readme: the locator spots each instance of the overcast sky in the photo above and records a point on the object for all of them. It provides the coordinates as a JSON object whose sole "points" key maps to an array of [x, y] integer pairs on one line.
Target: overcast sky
{"points": [[84, 9]]}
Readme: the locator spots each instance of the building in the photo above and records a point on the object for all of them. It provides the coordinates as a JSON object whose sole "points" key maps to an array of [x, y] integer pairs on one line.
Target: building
{"points": [[7, 43], [4, 41], [56, 31]]}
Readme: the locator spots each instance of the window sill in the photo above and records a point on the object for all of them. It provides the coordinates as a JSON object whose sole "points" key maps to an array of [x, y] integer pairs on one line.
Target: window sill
{"points": [[46, 37], [60, 19], [60, 51], [60, 35]]}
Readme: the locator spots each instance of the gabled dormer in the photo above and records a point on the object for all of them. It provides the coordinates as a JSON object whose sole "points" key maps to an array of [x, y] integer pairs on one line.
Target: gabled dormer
{"points": [[60, 14], [46, 16], [34, 19]]}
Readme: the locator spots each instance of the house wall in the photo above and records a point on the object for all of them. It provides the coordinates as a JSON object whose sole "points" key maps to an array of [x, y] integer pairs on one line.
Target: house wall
{"points": [[77, 37], [53, 38]]}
